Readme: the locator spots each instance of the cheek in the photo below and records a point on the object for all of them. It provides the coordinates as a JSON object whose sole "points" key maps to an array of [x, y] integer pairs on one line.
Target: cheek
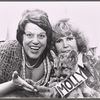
{"points": [[25, 40], [58, 48], [74, 45], [44, 42]]}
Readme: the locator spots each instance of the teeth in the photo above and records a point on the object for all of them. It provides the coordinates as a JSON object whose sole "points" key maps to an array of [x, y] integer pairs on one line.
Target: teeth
{"points": [[34, 47]]}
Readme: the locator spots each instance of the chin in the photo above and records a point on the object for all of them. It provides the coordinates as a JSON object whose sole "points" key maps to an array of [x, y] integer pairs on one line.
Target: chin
{"points": [[35, 56]]}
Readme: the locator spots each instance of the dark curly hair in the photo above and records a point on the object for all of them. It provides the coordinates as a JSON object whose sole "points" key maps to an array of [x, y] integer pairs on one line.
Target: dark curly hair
{"points": [[39, 18], [64, 25]]}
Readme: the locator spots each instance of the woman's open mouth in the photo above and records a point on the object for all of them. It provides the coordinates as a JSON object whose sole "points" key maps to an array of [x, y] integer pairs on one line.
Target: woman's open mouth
{"points": [[34, 49]]}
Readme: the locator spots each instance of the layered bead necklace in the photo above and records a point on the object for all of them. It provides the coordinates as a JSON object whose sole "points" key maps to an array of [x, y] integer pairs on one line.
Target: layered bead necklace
{"points": [[25, 64], [32, 67], [47, 69]]}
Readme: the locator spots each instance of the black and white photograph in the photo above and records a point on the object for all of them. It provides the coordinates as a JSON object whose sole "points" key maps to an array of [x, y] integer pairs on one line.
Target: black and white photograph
{"points": [[49, 49]]}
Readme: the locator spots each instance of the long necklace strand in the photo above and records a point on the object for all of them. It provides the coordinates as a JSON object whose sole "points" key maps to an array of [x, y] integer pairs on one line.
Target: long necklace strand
{"points": [[23, 64], [32, 67], [23, 70]]}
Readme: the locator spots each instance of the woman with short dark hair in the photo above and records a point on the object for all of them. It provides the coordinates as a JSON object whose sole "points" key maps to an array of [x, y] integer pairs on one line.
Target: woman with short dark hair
{"points": [[26, 58]]}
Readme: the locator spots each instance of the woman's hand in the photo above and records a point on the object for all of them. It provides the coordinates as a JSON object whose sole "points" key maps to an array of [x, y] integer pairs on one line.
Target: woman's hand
{"points": [[20, 83], [46, 92]]}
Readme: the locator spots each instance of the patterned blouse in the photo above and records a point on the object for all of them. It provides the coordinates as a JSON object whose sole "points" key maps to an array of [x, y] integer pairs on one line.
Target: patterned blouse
{"points": [[11, 59]]}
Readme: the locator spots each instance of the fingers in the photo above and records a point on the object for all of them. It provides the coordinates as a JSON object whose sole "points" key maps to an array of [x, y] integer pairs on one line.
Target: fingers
{"points": [[28, 86], [20, 82], [30, 81], [53, 84], [27, 89], [24, 84], [52, 93], [45, 94], [15, 75], [42, 88]]}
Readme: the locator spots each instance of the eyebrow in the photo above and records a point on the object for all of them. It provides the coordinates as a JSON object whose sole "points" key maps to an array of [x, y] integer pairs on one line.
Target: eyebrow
{"points": [[33, 32], [69, 36], [27, 31]]}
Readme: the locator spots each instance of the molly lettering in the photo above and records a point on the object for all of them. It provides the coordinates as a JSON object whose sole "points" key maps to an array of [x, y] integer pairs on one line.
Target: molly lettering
{"points": [[71, 83]]}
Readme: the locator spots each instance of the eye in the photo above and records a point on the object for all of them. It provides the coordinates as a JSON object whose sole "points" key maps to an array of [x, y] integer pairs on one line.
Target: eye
{"points": [[41, 36], [58, 41], [69, 38], [29, 34]]}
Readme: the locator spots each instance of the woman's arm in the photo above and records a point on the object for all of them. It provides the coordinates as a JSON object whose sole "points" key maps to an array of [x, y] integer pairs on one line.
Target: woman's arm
{"points": [[15, 83], [7, 87]]}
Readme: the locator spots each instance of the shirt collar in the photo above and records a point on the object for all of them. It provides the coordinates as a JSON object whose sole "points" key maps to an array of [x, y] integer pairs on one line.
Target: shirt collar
{"points": [[80, 62]]}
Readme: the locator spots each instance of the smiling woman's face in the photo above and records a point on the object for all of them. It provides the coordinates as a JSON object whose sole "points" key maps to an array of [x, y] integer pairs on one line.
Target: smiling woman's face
{"points": [[34, 40], [66, 44]]}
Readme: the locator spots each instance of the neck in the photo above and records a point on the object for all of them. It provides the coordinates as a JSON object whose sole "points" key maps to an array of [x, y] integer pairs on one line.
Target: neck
{"points": [[31, 61]]}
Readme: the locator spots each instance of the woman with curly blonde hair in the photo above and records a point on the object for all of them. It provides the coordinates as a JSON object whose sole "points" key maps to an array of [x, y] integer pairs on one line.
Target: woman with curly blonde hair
{"points": [[69, 51]]}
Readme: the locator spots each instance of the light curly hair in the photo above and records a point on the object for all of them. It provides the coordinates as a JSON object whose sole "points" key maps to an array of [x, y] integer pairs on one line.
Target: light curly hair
{"points": [[64, 26]]}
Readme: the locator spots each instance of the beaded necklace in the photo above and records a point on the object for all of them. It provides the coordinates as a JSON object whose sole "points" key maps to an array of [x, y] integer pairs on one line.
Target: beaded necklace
{"points": [[32, 67], [23, 64], [46, 70]]}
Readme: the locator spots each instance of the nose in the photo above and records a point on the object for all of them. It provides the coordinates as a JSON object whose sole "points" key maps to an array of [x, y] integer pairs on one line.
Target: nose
{"points": [[65, 43], [35, 40]]}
